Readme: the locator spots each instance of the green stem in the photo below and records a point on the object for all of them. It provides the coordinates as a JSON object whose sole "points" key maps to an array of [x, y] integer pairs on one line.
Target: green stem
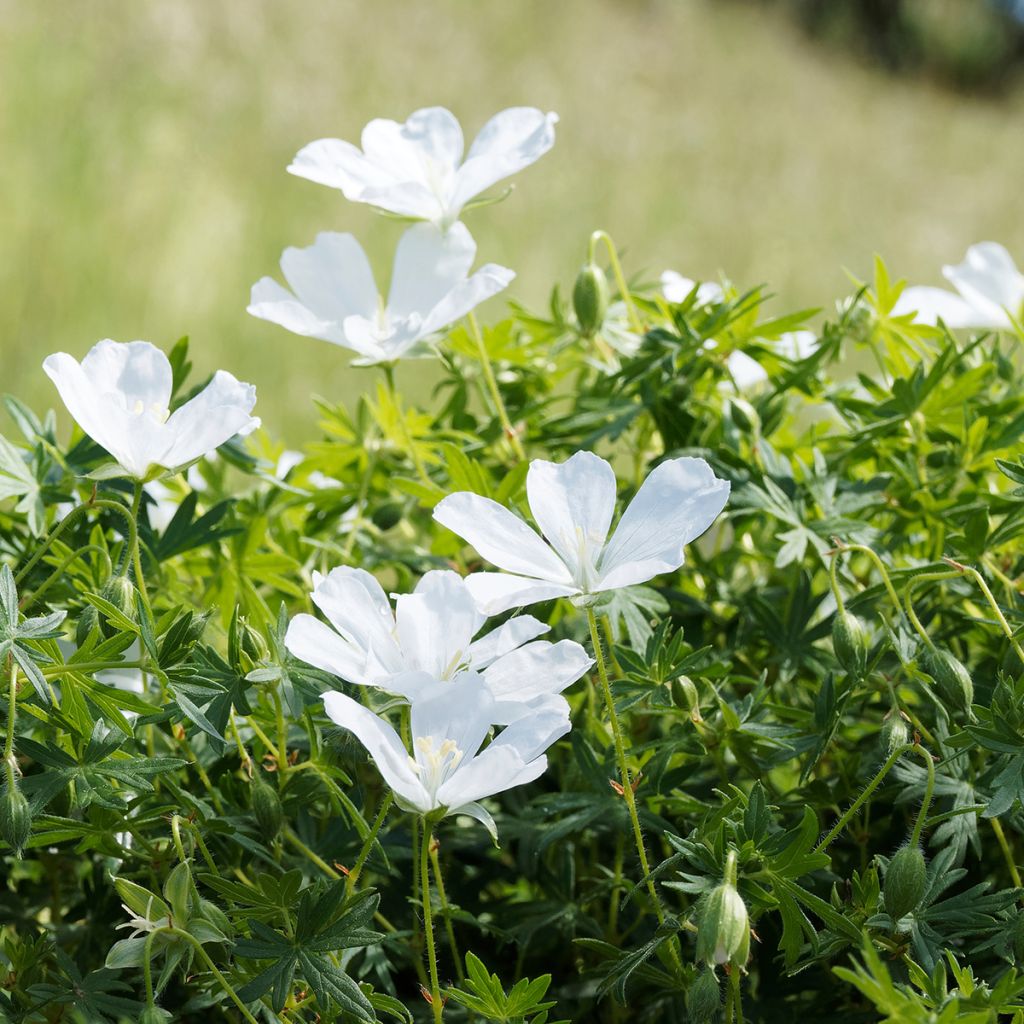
{"points": [[140, 579], [147, 970], [492, 387], [371, 838], [1004, 845], [865, 795], [996, 610], [446, 911], [72, 517], [737, 994], [176, 833], [428, 922], [922, 814], [29, 599], [908, 601], [620, 280], [627, 787], [879, 565], [12, 715], [224, 983], [403, 427]]}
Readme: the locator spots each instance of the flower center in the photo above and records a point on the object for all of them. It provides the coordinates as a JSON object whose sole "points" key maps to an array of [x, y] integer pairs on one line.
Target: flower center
{"points": [[435, 763], [155, 411]]}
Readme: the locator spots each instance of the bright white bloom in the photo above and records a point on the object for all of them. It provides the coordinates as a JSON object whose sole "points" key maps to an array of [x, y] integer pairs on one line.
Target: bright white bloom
{"points": [[573, 503], [747, 372], [446, 770], [336, 298], [428, 642], [416, 169], [991, 291], [120, 394], [675, 288]]}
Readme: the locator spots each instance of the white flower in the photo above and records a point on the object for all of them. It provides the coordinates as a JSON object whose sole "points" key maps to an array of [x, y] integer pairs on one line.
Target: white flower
{"points": [[416, 169], [748, 373], [446, 771], [573, 503], [120, 393], [336, 298], [428, 642], [991, 292], [676, 288]]}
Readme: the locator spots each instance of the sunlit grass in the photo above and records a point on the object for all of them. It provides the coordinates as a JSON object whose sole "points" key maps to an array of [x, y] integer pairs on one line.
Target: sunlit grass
{"points": [[142, 184]]}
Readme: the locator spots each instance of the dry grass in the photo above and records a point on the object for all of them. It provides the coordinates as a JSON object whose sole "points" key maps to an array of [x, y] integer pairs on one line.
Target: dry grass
{"points": [[142, 182]]}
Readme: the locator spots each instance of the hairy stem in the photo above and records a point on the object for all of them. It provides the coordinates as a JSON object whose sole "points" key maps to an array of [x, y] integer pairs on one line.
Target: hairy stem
{"points": [[620, 280], [446, 910], [492, 387], [428, 922]]}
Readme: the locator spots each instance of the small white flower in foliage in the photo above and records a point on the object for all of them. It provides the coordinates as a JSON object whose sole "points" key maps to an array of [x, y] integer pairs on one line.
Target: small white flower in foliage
{"points": [[120, 395], [573, 503], [676, 288], [446, 770], [334, 296], [417, 169], [427, 642], [989, 292]]}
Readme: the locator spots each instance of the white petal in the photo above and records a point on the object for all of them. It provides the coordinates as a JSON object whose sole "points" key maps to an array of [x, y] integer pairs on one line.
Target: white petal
{"points": [[339, 165], [436, 624], [933, 304], [497, 592], [479, 813], [573, 503], [509, 141], [383, 745], [797, 345], [988, 278], [429, 142], [538, 668], [219, 412], [273, 302], [317, 644], [467, 295], [745, 371], [429, 263], [459, 710], [677, 502], [499, 536], [676, 288], [332, 277], [136, 369], [506, 638]]}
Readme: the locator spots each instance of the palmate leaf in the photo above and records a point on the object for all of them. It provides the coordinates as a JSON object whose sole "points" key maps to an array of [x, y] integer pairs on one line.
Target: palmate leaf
{"points": [[206, 688], [327, 923]]}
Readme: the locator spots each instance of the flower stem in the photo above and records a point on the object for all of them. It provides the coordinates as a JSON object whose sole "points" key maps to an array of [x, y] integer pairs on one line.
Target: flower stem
{"points": [[922, 814], [224, 983], [371, 838], [627, 787], [996, 610], [923, 577], [403, 427], [620, 280], [140, 580], [1004, 845], [428, 922], [840, 547], [12, 713], [737, 994], [446, 910], [492, 387]]}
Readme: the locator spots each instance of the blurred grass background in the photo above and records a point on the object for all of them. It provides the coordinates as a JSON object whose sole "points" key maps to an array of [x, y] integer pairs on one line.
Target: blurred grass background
{"points": [[143, 149]]}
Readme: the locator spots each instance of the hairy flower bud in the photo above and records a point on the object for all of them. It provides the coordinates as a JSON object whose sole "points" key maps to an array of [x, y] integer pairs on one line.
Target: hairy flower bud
{"points": [[703, 997], [685, 695], [252, 643], [723, 935], [590, 299], [15, 817], [266, 807], [904, 881], [851, 643], [895, 731], [951, 678]]}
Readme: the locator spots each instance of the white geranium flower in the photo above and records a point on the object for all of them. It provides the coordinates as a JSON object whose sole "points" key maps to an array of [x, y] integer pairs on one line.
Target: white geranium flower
{"points": [[573, 503], [990, 287], [416, 169], [446, 770], [119, 395], [748, 373], [675, 288], [427, 641], [336, 298]]}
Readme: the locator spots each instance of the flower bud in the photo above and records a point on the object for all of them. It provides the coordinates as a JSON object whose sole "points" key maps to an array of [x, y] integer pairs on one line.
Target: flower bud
{"points": [[154, 1015], [266, 807], [851, 643], [252, 643], [895, 731], [120, 592], [387, 515], [744, 415], [15, 817], [723, 935], [89, 618], [703, 998], [178, 893], [685, 695], [590, 299], [905, 880], [951, 678]]}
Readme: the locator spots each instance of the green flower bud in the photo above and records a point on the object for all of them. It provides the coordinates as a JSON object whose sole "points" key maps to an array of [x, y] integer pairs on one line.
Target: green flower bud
{"points": [[703, 997], [266, 807], [895, 731], [154, 1015], [387, 516], [197, 627], [178, 893], [120, 592], [904, 881], [252, 643], [851, 643], [951, 678], [685, 695], [15, 817], [86, 621], [590, 299], [212, 913], [744, 415], [723, 935]]}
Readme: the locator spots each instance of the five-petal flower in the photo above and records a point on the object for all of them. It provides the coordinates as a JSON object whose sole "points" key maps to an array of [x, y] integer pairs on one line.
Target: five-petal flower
{"points": [[334, 296], [446, 770], [990, 287], [573, 503], [120, 395], [428, 641], [416, 169]]}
